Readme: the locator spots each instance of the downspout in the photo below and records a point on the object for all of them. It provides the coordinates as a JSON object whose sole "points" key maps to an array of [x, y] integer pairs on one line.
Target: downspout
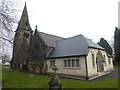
{"points": [[86, 68]]}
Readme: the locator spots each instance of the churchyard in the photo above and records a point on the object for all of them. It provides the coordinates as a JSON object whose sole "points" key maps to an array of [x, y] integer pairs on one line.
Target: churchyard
{"points": [[17, 79]]}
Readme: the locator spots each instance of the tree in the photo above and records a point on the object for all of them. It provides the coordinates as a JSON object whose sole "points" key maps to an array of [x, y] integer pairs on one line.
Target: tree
{"points": [[111, 43], [7, 20], [103, 43], [5, 58], [117, 45]]}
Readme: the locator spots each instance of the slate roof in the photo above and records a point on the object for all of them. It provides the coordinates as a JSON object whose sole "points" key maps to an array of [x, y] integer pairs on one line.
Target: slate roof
{"points": [[74, 46], [24, 20], [50, 40]]}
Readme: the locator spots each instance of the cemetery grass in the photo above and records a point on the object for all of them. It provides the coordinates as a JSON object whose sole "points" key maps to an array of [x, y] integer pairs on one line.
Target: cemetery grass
{"points": [[0, 72], [16, 79]]}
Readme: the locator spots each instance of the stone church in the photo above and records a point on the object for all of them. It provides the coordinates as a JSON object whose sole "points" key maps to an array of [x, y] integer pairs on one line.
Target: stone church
{"points": [[38, 52], [30, 49]]}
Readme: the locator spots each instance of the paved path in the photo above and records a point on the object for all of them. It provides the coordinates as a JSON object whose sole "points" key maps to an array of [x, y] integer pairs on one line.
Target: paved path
{"points": [[113, 74]]}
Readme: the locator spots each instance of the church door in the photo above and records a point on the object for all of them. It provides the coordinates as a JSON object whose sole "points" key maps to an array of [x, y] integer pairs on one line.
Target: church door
{"points": [[99, 62]]}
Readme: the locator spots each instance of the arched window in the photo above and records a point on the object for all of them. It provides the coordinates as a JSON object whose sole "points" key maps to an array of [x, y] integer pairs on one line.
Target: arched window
{"points": [[26, 35]]}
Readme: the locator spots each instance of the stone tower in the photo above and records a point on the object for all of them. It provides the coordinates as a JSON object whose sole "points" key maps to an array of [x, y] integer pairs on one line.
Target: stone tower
{"points": [[21, 41]]}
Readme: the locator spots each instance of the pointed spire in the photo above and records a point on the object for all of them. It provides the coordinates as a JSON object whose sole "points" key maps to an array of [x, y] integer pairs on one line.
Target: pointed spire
{"points": [[36, 29], [24, 21]]}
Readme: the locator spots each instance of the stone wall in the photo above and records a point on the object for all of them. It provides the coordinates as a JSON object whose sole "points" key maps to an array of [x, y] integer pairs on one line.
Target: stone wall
{"points": [[37, 67]]}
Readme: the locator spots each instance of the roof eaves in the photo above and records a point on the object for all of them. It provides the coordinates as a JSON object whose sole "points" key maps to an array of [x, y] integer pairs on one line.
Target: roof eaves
{"points": [[66, 56], [96, 48]]}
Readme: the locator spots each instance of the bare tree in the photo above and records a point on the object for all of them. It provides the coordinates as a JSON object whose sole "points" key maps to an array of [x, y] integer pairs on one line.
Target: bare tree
{"points": [[5, 58], [8, 17], [7, 20]]}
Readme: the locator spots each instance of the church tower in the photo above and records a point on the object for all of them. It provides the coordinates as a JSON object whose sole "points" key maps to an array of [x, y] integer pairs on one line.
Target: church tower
{"points": [[22, 37]]}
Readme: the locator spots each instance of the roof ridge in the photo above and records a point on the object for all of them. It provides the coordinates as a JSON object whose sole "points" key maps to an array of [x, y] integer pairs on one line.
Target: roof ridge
{"points": [[70, 37], [76, 36], [51, 34], [49, 39], [85, 38]]}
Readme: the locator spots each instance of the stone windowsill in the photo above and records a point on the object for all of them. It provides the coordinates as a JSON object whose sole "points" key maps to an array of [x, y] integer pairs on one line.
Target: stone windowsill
{"points": [[77, 68]]}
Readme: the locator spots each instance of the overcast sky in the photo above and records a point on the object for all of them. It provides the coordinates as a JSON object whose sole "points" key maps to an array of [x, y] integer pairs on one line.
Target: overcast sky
{"points": [[66, 18]]}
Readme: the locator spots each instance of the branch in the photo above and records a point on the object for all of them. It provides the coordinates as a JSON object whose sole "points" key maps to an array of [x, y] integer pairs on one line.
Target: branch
{"points": [[10, 41]]}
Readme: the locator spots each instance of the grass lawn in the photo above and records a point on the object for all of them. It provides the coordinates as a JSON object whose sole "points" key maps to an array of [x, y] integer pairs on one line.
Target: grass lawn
{"points": [[17, 79], [117, 66], [0, 73]]}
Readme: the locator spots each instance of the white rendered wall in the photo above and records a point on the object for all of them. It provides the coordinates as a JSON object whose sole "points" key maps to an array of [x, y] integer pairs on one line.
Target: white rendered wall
{"points": [[81, 71], [77, 71], [92, 70]]}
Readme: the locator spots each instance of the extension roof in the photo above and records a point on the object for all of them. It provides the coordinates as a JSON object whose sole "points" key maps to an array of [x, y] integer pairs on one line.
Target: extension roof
{"points": [[74, 46]]}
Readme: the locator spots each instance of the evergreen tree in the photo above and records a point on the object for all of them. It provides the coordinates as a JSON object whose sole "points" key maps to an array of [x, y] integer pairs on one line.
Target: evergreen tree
{"points": [[117, 45], [103, 43]]}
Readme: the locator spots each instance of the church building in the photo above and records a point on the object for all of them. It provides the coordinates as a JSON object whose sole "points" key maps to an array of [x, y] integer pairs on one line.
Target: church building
{"points": [[38, 52]]}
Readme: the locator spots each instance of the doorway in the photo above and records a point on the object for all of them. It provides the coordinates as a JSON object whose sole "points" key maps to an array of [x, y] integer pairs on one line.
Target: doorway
{"points": [[99, 62]]}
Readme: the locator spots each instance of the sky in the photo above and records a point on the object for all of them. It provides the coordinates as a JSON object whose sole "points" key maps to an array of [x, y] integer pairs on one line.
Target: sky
{"points": [[119, 14], [66, 18]]}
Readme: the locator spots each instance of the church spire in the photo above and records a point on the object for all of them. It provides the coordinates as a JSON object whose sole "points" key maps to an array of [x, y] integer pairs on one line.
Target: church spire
{"points": [[36, 31], [24, 21]]}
